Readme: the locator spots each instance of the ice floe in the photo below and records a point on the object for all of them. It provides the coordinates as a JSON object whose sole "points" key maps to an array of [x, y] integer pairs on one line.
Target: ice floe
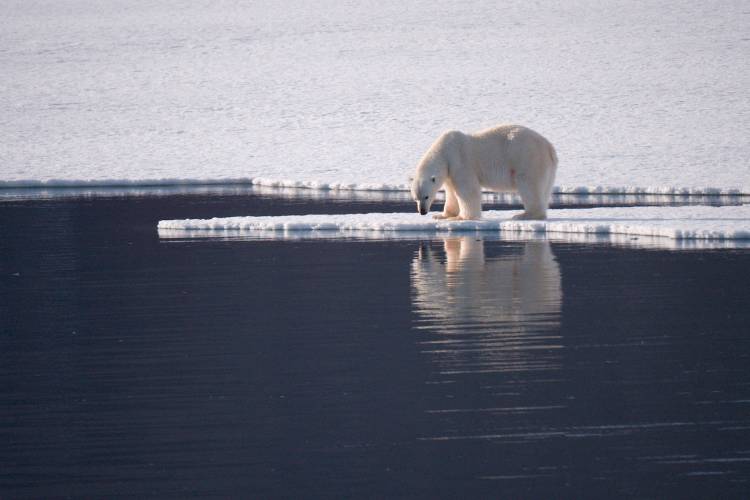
{"points": [[339, 97], [722, 226]]}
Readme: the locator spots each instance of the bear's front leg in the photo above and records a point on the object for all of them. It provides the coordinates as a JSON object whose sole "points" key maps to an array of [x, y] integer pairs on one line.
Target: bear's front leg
{"points": [[451, 208], [469, 202]]}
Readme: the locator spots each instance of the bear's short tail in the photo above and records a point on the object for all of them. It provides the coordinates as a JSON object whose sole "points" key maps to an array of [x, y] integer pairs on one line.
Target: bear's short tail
{"points": [[552, 154]]}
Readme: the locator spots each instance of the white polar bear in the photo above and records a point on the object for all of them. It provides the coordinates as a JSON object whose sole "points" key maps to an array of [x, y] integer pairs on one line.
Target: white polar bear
{"points": [[503, 158]]}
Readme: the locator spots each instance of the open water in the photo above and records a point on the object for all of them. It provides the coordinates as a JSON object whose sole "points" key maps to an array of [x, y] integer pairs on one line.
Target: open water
{"points": [[133, 366]]}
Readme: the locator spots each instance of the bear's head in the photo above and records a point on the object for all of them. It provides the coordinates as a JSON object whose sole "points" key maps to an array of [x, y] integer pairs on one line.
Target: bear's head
{"points": [[432, 170], [423, 191]]}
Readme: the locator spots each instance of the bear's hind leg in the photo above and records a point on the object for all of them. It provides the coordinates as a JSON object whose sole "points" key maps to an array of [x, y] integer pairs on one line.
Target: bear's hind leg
{"points": [[451, 208], [533, 196]]}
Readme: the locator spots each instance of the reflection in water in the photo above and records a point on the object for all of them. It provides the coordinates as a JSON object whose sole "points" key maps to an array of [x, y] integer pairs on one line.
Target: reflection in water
{"points": [[489, 324], [488, 314]]}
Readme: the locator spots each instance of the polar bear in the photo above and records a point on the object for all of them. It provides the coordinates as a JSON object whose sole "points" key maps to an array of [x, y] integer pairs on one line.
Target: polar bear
{"points": [[503, 158]]}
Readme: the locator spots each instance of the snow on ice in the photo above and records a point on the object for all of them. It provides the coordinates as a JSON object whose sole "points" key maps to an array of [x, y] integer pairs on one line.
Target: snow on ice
{"points": [[687, 223], [341, 96]]}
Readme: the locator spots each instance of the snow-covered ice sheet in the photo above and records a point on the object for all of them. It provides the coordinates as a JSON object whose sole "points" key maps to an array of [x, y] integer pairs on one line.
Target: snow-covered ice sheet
{"points": [[347, 95], [692, 223]]}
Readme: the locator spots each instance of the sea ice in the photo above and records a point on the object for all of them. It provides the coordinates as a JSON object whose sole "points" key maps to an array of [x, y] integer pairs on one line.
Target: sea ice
{"points": [[687, 223], [347, 95]]}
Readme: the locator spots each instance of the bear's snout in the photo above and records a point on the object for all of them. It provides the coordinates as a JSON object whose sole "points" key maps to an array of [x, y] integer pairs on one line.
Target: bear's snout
{"points": [[421, 209]]}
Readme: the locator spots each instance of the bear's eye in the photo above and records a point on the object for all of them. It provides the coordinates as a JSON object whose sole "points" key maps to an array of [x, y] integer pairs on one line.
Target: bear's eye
{"points": [[426, 197]]}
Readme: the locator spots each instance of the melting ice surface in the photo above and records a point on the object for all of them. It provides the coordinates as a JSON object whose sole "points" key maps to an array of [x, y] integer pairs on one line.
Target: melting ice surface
{"points": [[688, 225], [346, 95]]}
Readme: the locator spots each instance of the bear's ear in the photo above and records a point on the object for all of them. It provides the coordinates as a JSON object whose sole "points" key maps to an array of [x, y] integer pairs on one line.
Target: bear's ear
{"points": [[433, 178]]}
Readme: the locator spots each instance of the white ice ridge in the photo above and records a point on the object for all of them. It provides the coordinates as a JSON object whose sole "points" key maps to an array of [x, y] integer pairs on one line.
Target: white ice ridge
{"points": [[355, 187], [679, 223]]}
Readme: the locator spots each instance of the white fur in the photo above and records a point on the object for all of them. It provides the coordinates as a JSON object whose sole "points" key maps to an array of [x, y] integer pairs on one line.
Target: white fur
{"points": [[503, 158]]}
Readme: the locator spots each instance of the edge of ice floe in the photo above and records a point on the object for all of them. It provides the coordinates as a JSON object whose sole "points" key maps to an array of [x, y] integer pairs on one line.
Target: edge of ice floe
{"points": [[334, 186], [397, 222]]}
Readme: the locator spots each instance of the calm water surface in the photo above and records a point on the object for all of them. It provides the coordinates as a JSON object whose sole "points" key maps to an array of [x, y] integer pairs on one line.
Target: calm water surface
{"points": [[438, 367]]}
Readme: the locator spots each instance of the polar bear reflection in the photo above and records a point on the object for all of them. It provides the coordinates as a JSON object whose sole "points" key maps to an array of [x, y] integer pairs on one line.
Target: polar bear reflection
{"points": [[496, 314]]}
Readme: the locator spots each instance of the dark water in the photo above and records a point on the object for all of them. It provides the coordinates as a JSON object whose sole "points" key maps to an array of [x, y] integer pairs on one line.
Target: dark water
{"points": [[134, 367]]}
